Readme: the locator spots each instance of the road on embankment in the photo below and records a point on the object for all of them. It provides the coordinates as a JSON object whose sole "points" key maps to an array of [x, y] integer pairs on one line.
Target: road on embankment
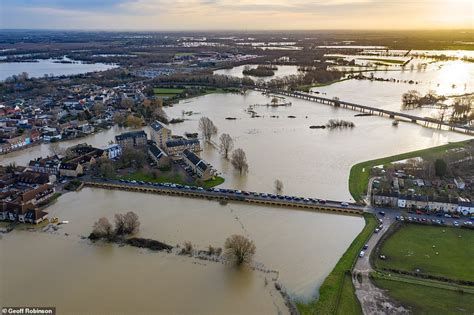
{"points": [[222, 194]]}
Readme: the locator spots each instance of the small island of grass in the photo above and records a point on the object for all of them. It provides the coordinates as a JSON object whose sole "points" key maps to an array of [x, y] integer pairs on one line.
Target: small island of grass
{"points": [[260, 71]]}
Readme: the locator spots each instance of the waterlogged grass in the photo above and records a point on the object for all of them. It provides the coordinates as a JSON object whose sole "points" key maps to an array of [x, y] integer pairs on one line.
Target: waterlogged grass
{"points": [[422, 299], [359, 174], [167, 91], [392, 61], [170, 178], [216, 181], [307, 88], [439, 251], [337, 294]]}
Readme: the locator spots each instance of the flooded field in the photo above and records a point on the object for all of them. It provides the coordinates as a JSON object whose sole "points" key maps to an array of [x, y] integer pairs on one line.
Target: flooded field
{"points": [[286, 148], [49, 67], [302, 246], [445, 78]]}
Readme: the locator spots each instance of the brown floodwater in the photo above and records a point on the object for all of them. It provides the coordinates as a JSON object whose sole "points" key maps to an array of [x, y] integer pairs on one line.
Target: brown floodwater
{"points": [[62, 269]]}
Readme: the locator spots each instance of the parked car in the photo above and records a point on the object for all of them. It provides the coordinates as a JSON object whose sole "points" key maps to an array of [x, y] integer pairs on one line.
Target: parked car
{"points": [[344, 204], [382, 213], [365, 246], [361, 254]]}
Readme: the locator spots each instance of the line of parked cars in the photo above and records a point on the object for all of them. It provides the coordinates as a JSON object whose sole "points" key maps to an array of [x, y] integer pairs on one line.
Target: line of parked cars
{"points": [[432, 221], [236, 192]]}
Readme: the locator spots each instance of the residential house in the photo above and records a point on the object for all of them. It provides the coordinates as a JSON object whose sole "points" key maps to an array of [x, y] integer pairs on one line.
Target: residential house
{"points": [[113, 151], [160, 133], [132, 139], [159, 156], [203, 170], [71, 169], [176, 147], [48, 165]]}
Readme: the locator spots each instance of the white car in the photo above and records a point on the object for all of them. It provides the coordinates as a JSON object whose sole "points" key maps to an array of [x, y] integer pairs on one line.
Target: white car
{"points": [[361, 254]]}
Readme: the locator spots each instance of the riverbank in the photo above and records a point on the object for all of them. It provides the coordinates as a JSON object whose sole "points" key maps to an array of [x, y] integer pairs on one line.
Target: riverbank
{"points": [[337, 293], [307, 88], [360, 172]]}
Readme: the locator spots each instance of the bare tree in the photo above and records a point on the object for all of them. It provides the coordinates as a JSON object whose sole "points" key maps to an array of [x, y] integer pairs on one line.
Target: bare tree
{"points": [[239, 160], [102, 228], [207, 128], [239, 249], [131, 222], [119, 224], [55, 149], [226, 144], [278, 186]]}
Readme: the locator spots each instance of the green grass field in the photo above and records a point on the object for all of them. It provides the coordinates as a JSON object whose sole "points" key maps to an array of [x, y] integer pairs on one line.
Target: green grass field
{"points": [[427, 300], [171, 178], [336, 294], [437, 251], [167, 91], [391, 61], [360, 172]]}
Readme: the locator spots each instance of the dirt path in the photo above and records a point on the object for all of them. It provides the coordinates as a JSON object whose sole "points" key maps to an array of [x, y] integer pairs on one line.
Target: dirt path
{"points": [[372, 299]]}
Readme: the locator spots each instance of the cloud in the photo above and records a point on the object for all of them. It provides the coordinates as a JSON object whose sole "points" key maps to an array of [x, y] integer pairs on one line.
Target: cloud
{"points": [[233, 14]]}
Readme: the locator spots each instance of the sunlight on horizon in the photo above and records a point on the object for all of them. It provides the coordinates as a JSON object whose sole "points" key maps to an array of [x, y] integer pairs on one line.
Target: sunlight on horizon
{"points": [[243, 14]]}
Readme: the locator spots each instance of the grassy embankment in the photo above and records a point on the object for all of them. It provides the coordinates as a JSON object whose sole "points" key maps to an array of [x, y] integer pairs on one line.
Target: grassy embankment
{"points": [[336, 294], [390, 61], [170, 178], [411, 248], [307, 88], [163, 92], [360, 172]]}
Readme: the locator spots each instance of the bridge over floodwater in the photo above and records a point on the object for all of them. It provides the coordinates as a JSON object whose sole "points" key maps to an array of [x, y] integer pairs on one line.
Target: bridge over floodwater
{"points": [[335, 102]]}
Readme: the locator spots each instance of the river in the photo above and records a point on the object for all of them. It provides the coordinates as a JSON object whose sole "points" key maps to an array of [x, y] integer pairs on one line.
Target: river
{"points": [[74, 275], [50, 67], [284, 148]]}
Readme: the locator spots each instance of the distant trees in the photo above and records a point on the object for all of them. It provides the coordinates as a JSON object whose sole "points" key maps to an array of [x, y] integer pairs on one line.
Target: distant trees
{"points": [[226, 144], [239, 249], [410, 99], [413, 99], [133, 121], [463, 109], [337, 123], [207, 128], [440, 167], [239, 161], [127, 103], [98, 108], [130, 157]]}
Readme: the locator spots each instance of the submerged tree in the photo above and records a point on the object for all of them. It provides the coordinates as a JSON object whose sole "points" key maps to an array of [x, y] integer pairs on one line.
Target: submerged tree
{"points": [[278, 186], [239, 160], [226, 144], [239, 249], [207, 128], [131, 222], [102, 228]]}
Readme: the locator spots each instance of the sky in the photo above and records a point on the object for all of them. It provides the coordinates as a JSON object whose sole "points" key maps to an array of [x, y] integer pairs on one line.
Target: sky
{"points": [[167, 15]]}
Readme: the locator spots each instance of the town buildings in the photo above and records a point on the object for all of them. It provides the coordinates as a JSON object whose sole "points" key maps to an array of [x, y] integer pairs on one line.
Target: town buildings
{"points": [[159, 156], [160, 133], [132, 139], [202, 169]]}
